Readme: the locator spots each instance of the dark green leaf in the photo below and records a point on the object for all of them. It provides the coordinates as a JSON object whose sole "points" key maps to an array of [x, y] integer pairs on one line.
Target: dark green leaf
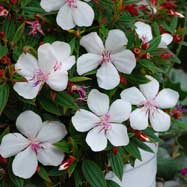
{"points": [[93, 174], [133, 150], [4, 94], [43, 174], [154, 43]]}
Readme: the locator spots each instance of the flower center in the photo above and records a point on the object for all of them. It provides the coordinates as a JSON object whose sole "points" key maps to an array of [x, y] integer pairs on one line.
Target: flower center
{"points": [[106, 57], [144, 39], [71, 3], [35, 145], [39, 77], [105, 122], [57, 66], [150, 106]]}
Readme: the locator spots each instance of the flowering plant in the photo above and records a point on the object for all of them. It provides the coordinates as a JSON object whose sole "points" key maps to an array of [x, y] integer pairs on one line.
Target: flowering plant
{"points": [[96, 74]]}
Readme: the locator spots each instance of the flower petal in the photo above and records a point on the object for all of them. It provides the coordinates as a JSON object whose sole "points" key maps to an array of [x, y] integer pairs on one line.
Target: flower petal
{"points": [[167, 98], [107, 76], [118, 135], [160, 121], [133, 96], [29, 123], [50, 155], [46, 58], [84, 120], [12, 144], [96, 139], [139, 119], [119, 111], [52, 131], [68, 63], [26, 65], [98, 102], [144, 31], [83, 15], [116, 40], [25, 163], [27, 89], [65, 18], [88, 62], [58, 80], [92, 43], [166, 39], [49, 5], [62, 50], [124, 61], [151, 88]]}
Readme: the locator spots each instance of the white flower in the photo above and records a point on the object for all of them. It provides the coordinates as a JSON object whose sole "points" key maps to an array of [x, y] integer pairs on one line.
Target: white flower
{"points": [[144, 32], [38, 146], [111, 57], [71, 12], [103, 122], [53, 62], [150, 102]]}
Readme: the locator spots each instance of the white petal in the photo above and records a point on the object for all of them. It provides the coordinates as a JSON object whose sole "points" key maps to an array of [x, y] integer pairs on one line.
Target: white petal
{"points": [[88, 62], [27, 89], [133, 96], [65, 18], [139, 119], [167, 98], [116, 40], [62, 50], [26, 65], [52, 131], [166, 39], [12, 144], [68, 63], [160, 121], [119, 111], [25, 163], [46, 58], [50, 5], [58, 80], [107, 76], [144, 31], [98, 102], [92, 43], [84, 120], [96, 139], [50, 155], [124, 61], [151, 88], [83, 15], [29, 123], [118, 135]]}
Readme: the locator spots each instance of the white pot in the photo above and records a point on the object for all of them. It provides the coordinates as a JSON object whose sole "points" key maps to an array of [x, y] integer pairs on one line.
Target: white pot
{"points": [[143, 174]]}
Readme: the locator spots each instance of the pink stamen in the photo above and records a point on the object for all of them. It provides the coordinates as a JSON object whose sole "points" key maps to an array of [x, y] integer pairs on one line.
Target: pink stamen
{"points": [[39, 77], [35, 147], [150, 106], [57, 66], [71, 3], [144, 39], [105, 122], [106, 57], [35, 27]]}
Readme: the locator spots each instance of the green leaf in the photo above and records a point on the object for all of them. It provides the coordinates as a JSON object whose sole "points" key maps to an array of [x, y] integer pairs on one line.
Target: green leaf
{"points": [[150, 65], [133, 150], [50, 106], [43, 174], [142, 145], [112, 184], [3, 51], [4, 94], [65, 100], [116, 163], [151, 133], [63, 146], [154, 44], [19, 33], [6, 131], [93, 174], [136, 79], [79, 79]]}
